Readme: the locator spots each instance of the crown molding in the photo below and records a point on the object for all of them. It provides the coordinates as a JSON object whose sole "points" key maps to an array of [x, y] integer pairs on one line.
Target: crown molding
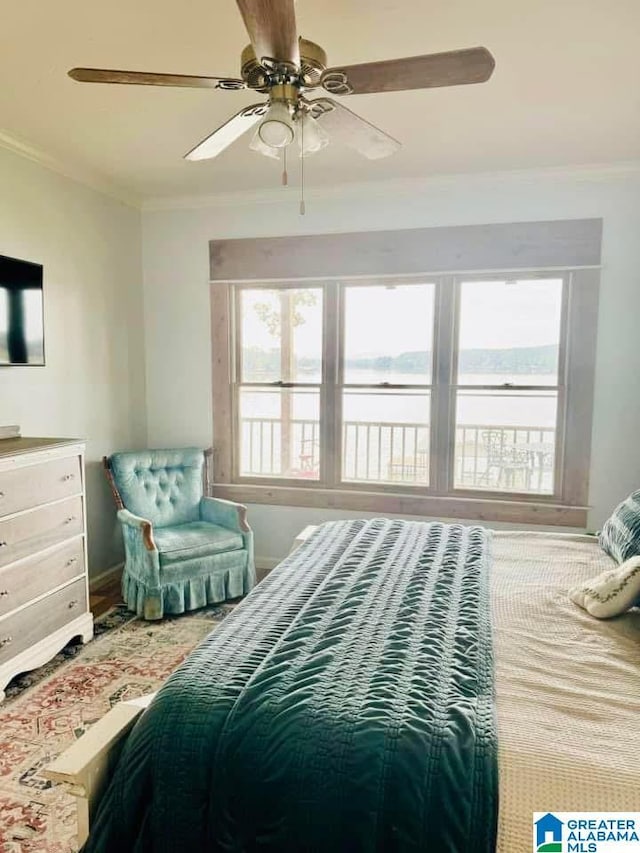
{"points": [[395, 187], [81, 175]]}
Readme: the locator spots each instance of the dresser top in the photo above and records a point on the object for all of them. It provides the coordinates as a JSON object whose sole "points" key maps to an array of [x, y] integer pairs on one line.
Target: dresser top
{"points": [[13, 446]]}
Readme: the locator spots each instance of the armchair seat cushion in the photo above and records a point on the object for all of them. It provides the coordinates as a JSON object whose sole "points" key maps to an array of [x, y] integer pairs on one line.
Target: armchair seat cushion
{"points": [[194, 539]]}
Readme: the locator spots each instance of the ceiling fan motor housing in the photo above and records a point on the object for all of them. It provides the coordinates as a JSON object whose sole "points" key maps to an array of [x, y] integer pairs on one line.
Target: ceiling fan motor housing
{"points": [[313, 61]]}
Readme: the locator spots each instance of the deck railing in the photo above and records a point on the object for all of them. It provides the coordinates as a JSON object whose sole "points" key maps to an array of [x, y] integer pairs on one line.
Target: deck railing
{"points": [[262, 448], [385, 452], [486, 456]]}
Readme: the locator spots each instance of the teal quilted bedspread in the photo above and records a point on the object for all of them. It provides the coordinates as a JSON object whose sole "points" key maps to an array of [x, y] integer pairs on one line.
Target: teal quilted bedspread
{"points": [[345, 705]]}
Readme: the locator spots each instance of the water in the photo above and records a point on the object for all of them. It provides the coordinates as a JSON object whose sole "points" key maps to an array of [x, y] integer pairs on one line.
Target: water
{"points": [[486, 408]]}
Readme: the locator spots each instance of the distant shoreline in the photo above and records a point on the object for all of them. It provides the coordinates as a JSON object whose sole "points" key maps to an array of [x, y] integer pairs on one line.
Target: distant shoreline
{"points": [[517, 361]]}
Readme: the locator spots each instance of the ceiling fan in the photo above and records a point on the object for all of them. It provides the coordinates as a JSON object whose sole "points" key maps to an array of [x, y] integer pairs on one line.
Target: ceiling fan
{"points": [[286, 68]]}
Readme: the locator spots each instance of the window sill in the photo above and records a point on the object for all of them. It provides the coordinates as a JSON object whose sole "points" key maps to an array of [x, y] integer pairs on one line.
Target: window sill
{"points": [[487, 509]]}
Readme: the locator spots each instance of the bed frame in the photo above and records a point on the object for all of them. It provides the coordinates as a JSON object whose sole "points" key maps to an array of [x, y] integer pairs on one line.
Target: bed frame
{"points": [[86, 767]]}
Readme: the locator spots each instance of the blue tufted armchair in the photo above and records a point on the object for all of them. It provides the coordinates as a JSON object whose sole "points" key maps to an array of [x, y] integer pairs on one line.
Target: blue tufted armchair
{"points": [[182, 550]]}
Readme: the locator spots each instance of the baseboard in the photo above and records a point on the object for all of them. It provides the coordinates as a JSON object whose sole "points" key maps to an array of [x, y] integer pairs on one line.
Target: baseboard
{"points": [[265, 564], [96, 581]]}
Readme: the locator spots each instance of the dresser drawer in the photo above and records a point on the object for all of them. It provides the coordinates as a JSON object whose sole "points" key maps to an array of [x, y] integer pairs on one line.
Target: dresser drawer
{"points": [[33, 485], [24, 534], [24, 581], [22, 629]]}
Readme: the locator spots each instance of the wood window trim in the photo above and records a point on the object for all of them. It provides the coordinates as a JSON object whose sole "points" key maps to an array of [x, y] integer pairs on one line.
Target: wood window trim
{"points": [[564, 243], [485, 509], [566, 509]]}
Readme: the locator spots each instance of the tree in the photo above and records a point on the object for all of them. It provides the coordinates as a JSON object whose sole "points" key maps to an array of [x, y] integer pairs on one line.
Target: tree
{"points": [[272, 316]]}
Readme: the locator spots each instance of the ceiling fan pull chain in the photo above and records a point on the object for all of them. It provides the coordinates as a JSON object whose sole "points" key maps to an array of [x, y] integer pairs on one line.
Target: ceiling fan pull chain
{"points": [[285, 176], [303, 209]]}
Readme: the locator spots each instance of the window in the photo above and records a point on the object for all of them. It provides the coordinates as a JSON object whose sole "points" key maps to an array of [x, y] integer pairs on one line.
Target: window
{"points": [[370, 385], [385, 386], [508, 384], [279, 377], [396, 391], [505, 386]]}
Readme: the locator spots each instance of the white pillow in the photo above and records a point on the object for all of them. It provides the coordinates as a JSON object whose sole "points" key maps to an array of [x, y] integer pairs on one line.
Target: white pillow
{"points": [[612, 592]]}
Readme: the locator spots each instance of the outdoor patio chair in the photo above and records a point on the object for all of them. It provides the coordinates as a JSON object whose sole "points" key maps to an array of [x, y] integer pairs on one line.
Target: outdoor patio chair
{"points": [[506, 460]]}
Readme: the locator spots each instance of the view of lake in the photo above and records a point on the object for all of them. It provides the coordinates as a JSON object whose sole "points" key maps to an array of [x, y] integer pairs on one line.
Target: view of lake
{"points": [[507, 339]]}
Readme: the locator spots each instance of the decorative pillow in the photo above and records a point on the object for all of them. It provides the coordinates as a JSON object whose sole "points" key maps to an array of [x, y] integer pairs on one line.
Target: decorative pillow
{"points": [[620, 536], [612, 592]]}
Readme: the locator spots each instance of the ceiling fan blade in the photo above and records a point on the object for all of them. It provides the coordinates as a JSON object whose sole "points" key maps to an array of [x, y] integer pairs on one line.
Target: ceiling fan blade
{"points": [[144, 78], [227, 133], [453, 68], [271, 25], [354, 131]]}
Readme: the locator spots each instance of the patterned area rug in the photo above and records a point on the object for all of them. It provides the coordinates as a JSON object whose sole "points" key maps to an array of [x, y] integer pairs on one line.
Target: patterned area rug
{"points": [[49, 708]]}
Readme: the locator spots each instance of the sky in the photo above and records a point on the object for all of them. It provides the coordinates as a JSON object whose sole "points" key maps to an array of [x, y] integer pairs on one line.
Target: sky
{"points": [[384, 320], [499, 315]]}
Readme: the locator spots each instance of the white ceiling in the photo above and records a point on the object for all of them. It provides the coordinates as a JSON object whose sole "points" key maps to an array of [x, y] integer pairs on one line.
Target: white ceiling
{"points": [[565, 89]]}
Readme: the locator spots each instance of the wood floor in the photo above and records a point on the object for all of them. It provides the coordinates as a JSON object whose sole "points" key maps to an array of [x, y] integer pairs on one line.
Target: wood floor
{"points": [[105, 595]]}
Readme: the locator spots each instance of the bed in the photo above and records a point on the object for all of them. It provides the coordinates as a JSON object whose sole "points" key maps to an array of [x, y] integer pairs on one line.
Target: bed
{"points": [[566, 686], [566, 700]]}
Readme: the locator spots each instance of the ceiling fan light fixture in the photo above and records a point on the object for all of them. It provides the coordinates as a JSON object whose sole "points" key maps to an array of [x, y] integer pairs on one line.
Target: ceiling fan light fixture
{"points": [[260, 147], [276, 129], [311, 136]]}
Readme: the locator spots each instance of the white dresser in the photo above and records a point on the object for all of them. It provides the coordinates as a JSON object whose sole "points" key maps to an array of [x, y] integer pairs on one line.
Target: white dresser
{"points": [[44, 594]]}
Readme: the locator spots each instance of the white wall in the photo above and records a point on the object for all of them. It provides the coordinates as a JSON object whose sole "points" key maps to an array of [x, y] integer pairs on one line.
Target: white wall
{"points": [[92, 386], [175, 263]]}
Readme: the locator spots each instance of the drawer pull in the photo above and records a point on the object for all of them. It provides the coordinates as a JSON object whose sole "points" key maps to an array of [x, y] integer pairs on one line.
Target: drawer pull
{"points": [[72, 561], [4, 593], [70, 519], [68, 477], [1, 494], [73, 603], [6, 641], [3, 544]]}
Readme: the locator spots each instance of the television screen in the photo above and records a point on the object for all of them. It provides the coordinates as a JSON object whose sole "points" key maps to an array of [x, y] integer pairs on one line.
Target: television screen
{"points": [[21, 312]]}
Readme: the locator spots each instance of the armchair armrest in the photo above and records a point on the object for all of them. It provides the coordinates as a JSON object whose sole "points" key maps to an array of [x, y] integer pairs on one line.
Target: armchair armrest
{"points": [[225, 513], [145, 527]]}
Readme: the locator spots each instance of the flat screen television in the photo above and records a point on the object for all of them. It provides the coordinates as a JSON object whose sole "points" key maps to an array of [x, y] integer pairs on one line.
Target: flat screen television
{"points": [[21, 312]]}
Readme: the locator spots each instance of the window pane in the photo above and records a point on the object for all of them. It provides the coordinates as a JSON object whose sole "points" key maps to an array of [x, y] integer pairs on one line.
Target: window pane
{"points": [[281, 335], [388, 334], [505, 441], [386, 436], [509, 332], [280, 433]]}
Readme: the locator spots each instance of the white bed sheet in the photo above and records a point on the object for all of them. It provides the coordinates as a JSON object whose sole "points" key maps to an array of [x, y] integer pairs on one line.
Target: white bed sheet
{"points": [[567, 686]]}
